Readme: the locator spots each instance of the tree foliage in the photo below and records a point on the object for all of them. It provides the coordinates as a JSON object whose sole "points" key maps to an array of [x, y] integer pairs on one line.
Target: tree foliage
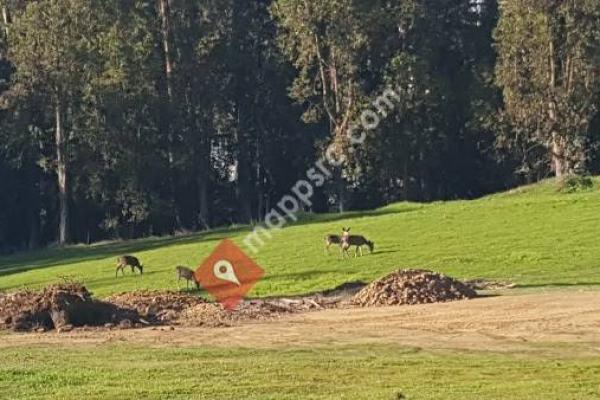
{"points": [[127, 119], [548, 70]]}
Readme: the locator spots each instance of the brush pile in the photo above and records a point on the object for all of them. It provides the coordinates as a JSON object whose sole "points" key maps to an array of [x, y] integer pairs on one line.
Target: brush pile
{"points": [[61, 307], [66, 306], [157, 308], [213, 314], [408, 287]]}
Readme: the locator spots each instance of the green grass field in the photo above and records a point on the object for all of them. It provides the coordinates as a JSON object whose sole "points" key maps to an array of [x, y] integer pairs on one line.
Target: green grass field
{"points": [[116, 372], [533, 236]]}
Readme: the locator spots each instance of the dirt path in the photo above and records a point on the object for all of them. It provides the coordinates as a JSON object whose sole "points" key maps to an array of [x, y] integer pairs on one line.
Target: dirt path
{"points": [[509, 323]]}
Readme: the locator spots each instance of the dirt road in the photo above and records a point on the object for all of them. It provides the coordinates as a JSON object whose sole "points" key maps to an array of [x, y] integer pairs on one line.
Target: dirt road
{"points": [[532, 322]]}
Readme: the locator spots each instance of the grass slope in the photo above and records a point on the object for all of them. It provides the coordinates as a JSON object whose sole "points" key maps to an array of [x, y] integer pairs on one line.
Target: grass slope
{"points": [[533, 236], [119, 372]]}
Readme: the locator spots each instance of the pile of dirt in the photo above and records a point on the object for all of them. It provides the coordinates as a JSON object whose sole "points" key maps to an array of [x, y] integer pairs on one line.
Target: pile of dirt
{"points": [[66, 306], [157, 307], [60, 307], [175, 308], [214, 315], [412, 287]]}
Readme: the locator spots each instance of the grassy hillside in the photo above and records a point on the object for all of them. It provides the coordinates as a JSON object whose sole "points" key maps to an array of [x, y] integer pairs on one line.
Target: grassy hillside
{"points": [[534, 236]]}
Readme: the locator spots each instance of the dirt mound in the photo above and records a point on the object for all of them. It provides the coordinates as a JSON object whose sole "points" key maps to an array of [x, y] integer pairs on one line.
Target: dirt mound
{"points": [[214, 315], [157, 307], [62, 307], [412, 287], [66, 306], [161, 308]]}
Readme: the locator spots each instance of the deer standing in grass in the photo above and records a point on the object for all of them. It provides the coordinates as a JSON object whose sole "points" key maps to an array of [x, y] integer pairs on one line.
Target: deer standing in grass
{"points": [[188, 275], [128, 261], [344, 241], [332, 239], [359, 241]]}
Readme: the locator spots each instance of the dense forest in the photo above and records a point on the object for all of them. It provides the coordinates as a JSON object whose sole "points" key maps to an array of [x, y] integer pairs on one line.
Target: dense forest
{"points": [[130, 118]]}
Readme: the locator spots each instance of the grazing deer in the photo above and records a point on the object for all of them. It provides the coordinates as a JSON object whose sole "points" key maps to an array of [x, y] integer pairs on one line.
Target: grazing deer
{"points": [[344, 240], [345, 234], [332, 239], [128, 261], [358, 241], [188, 275]]}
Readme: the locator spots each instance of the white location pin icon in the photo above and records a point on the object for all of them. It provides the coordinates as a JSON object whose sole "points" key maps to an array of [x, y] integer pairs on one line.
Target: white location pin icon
{"points": [[223, 270]]}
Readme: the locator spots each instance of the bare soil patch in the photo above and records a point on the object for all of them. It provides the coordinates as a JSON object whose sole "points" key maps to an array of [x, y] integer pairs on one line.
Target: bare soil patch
{"points": [[70, 306], [173, 308], [558, 323]]}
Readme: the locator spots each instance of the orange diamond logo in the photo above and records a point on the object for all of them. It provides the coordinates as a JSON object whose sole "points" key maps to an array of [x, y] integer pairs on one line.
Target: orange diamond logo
{"points": [[228, 274]]}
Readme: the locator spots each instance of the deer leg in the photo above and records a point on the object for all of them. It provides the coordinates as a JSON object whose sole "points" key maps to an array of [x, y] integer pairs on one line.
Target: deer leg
{"points": [[345, 251], [361, 253]]}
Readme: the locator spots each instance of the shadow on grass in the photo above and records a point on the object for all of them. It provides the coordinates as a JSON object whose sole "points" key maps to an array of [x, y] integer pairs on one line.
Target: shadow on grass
{"points": [[346, 288], [305, 275], [486, 295], [76, 254], [52, 257], [377, 252], [556, 285], [311, 219]]}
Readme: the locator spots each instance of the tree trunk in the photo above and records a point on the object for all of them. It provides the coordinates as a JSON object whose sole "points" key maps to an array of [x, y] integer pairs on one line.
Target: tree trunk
{"points": [[61, 170], [405, 180], [166, 123], [243, 191], [165, 18], [203, 209], [34, 211], [560, 164], [341, 189]]}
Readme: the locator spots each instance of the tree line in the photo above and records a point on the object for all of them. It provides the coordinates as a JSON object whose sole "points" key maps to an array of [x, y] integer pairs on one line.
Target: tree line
{"points": [[124, 119]]}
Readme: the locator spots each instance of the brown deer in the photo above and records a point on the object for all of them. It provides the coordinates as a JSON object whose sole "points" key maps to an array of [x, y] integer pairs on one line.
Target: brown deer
{"points": [[358, 241], [128, 261], [188, 275], [345, 233], [332, 239], [344, 241]]}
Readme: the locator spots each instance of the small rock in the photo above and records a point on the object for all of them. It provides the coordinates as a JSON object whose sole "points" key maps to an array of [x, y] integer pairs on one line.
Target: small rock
{"points": [[125, 324], [65, 328]]}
